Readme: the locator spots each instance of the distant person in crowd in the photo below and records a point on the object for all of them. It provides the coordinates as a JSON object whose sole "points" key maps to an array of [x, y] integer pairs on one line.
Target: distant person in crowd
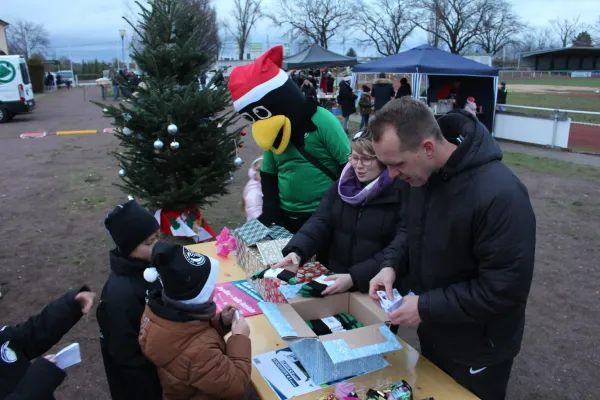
{"points": [[115, 85], [203, 79], [469, 243], [125, 91], [450, 90], [134, 230], [22, 379], [382, 91], [501, 96], [365, 104], [252, 201], [404, 89], [330, 82], [300, 78], [183, 335], [58, 80], [308, 89], [356, 220], [346, 99], [293, 75], [313, 81], [324, 82], [49, 81], [134, 81]]}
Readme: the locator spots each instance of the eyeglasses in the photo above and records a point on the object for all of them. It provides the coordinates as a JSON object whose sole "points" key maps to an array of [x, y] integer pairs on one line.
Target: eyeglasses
{"points": [[367, 161]]}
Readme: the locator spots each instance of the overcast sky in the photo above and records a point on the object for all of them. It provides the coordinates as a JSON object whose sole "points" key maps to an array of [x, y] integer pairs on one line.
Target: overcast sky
{"points": [[89, 29]]}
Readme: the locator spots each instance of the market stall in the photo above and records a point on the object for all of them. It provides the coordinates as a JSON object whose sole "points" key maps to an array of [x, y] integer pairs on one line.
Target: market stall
{"points": [[443, 79]]}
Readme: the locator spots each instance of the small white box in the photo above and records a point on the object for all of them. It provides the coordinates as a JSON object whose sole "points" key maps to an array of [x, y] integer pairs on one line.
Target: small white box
{"points": [[387, 304]]}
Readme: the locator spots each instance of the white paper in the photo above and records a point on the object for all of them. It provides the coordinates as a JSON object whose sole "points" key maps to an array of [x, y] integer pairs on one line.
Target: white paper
{"points": [[321, 279], [387, 304], [332, 323], [272, 273], [68, 356]]}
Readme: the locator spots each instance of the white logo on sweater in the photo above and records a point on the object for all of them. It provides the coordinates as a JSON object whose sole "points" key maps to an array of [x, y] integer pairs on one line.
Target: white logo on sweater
{"points": [[196, 259], [7, 354]]}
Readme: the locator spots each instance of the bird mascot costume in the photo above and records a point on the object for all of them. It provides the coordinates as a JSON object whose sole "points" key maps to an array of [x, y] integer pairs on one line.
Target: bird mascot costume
{"points": [[305, 145]]}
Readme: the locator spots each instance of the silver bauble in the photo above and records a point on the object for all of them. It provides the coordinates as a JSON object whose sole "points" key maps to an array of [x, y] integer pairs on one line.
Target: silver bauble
{"points": [[219, 125], [158, 144], [174, 145], [238, 161], [105, 110], [130, 197], [172, 129], [126, 131], [121, 172]]}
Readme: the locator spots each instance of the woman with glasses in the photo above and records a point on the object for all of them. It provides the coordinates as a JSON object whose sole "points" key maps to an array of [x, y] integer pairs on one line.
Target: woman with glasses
{"points": [[357, 218]]}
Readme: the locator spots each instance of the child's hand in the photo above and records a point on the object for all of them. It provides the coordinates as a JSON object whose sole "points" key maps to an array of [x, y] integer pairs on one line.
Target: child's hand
{"points": [[240, 327], [227, 314]]}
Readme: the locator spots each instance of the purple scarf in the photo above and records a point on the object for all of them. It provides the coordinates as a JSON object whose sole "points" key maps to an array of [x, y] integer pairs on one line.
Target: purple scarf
{"points": [[353, 192]]}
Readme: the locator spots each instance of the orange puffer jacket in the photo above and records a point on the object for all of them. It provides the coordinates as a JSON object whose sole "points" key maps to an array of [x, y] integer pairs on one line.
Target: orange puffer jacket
{"points": [[193, 360]]}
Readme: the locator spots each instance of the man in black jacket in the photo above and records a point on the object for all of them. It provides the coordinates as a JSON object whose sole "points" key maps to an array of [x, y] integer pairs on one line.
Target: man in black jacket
{"points": [[21, 379], [469, 249], [130, 375], [383, 91]]}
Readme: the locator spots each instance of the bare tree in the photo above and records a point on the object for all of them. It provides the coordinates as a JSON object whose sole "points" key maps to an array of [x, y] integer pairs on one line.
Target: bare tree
{"points": [[386, 23], [318, 20], [26, 38], [499, 28], [433, 34], [245, 13], [536, 39], [460, 21], [565, 29]]}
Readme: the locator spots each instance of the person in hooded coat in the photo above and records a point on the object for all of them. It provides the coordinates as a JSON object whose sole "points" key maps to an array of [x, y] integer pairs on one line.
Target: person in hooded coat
{"points": [[356, 219], [383, 91], [346, 100], [469, 246]]}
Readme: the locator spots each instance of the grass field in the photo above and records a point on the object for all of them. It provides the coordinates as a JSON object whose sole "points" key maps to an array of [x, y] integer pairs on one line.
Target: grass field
{"points": [[565, 102], [581, 82], [551, 166]]}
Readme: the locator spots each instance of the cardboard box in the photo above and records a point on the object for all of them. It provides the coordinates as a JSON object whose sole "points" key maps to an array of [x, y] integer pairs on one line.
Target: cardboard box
{"points": [[340, 354]]}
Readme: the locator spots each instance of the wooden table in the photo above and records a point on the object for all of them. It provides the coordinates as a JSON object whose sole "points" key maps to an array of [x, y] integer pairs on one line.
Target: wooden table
{"points": [[426, 379]]}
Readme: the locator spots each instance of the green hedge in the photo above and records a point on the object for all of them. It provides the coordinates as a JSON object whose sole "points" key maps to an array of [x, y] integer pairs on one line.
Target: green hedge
{"points": [[36, 74]]}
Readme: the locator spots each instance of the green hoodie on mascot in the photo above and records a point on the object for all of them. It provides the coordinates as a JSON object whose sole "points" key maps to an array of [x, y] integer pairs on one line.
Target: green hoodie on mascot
{"points": [[305, 145]]}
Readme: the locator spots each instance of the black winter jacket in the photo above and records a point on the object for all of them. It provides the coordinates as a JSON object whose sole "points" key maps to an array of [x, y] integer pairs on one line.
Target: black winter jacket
{"points": [[19, 378], [130, 375], [470, 249], [355, 235], [382, 91], [346, 99]]}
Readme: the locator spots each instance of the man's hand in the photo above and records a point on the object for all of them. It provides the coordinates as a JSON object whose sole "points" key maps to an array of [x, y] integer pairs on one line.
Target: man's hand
{"points": [[343, 283], [291, 262], [383, 280], [408, 313], [86, 301], [227, 314]]}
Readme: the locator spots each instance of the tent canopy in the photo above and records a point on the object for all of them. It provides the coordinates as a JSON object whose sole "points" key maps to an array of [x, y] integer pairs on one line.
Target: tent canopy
{"points": [[317, 57], [426, 59]]}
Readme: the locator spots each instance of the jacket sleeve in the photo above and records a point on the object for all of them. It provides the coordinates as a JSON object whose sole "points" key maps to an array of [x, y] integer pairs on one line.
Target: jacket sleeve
{"points": [[271, 213], [39, 382], [124, 348], [223, 376], [40, 332], [217, 323], [504, 247], [316, 231], [395, 255], [254, 203]]}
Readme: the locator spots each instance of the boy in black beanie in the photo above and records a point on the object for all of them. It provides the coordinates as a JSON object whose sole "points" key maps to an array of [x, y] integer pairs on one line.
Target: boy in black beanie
{"points": [[130, 375]]}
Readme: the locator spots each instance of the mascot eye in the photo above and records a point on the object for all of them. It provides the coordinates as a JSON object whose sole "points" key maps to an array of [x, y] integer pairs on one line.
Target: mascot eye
{"points": [[247, 117], [261, 112]]}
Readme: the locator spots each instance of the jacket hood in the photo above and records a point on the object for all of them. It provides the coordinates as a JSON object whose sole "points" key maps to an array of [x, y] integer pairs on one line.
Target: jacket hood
{"points": [[127, 266], [382, 81], [165, 332], [476, 145]]}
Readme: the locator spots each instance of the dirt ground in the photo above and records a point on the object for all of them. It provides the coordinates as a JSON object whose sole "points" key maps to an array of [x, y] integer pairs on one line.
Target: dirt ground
{"points": [[55, 192], [525, 88]]}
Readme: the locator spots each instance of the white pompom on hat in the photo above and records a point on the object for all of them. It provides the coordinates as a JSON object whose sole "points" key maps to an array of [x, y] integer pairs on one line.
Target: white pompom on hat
{"points": [[150, 274]]}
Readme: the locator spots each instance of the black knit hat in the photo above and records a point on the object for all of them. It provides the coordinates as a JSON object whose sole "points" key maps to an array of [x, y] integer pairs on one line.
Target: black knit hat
{"points": [[129, 224], [186, 276]]}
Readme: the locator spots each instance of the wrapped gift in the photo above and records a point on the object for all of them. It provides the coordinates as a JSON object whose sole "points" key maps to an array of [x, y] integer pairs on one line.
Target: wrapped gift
{"points": [[248, 236]]}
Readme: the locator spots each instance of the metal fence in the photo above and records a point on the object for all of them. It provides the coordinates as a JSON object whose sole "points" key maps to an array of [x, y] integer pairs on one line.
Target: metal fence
{"points": [[526, 74]]}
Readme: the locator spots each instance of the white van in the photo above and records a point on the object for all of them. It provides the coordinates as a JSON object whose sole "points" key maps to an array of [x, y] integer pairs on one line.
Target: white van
{"points": [[16, 92]]}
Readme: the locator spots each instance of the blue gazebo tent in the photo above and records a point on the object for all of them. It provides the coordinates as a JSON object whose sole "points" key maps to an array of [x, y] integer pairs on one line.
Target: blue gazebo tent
{"points": [[438, 66]]}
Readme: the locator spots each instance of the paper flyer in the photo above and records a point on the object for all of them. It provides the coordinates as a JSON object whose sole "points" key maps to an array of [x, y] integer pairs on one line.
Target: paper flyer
{"points": [[238, 293], [286, 376]]}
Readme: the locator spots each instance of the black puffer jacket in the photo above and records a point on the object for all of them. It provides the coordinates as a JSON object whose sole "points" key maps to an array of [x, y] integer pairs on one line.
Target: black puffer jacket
{"points": [[470, 250], [383, 91], [130, 375], [354, 235]]}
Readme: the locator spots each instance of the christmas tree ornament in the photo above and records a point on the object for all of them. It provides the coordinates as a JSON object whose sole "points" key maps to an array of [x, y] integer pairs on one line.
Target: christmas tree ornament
{"points": [[126, 116], [121, 172], [238, 161], [105, 110], [241, 144], [129, 197], [156, 151], [158, 144], [172, 129], [220, 124], [243, 133], [174, 145], [126, 131]]}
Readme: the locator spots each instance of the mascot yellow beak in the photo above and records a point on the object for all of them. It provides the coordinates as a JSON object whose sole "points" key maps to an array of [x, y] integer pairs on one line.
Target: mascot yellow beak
{"points": [[272, 133]]}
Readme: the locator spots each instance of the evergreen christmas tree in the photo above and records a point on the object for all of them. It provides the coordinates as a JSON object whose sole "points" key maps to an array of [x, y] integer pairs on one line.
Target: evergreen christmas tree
{"points": [[177, 147]]}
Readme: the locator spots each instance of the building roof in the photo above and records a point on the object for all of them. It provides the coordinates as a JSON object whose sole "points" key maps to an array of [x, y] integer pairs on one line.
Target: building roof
{"points": [[428, 60], [4, 23], [565, 50]]}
